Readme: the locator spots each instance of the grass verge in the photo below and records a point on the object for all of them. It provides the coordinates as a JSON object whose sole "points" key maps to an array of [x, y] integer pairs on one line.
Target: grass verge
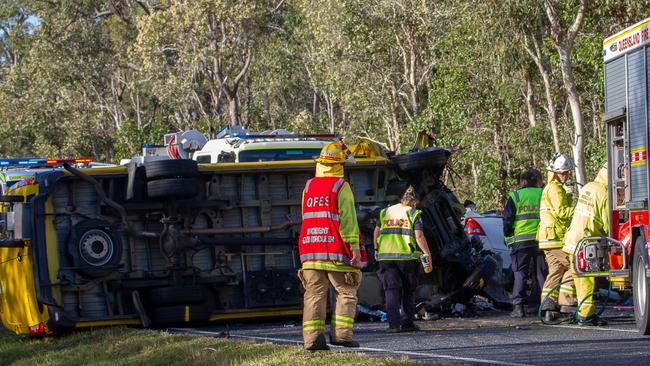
{"points": [[126, 346]]}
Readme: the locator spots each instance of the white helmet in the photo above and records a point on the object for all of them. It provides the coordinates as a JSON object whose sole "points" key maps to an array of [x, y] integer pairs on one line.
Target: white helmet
{"points": [[560, 164]]}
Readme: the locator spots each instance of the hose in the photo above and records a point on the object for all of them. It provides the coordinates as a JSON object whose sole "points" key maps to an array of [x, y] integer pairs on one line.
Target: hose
{"points": [[591, 295], [539, 310], [572, 320]]}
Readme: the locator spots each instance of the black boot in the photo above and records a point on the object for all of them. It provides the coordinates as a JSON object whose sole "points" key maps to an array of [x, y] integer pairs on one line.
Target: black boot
{"points": [[319, 345], [592, 321], [518, 312], [349, 344]]}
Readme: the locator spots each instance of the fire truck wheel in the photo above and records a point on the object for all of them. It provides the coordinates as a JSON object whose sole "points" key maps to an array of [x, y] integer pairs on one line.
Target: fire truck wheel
{"points": [[11, 199], [172, 187], [167, 315], [641, 289], [159, 169], [95, 249], [430, 158], [177, 295]]}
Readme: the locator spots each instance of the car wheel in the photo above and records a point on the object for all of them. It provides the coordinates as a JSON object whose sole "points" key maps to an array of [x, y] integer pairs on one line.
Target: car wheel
{"points": [[172, 187], [430, 158], [160, 169], [176, 295], [641, 289]]}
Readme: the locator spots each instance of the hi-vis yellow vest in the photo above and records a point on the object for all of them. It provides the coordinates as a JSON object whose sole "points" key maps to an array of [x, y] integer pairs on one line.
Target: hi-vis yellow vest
{"points": [[396, 239], [526, 223]]}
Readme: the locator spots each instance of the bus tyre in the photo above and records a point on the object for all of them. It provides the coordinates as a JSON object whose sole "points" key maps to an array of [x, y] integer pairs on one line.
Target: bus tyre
{"points": [[95, 249], [160, 169], [641, 288], [177, 295], [172, 187], [191, 313]]}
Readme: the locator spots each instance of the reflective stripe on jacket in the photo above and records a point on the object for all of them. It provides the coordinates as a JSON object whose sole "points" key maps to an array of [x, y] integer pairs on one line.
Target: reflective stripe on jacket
{"points": [[396, 239], [591, 216], [555, 214], [329, 229], [526, 224]]}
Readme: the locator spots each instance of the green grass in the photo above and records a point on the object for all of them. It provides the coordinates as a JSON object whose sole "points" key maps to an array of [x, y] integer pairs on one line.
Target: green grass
{"points": [[125, 346]]}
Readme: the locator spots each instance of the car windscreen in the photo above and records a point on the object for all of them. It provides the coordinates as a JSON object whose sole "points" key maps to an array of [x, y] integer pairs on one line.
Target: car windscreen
{"points": [[278, 154]]}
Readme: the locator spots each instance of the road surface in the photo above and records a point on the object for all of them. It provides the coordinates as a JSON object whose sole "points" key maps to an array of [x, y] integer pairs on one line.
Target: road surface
{"points": [[492, 338]]}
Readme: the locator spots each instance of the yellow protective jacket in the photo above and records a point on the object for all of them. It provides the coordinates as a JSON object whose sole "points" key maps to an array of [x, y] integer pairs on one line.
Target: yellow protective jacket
{"points": [[349, 227], [555, 214], [591, 216]]}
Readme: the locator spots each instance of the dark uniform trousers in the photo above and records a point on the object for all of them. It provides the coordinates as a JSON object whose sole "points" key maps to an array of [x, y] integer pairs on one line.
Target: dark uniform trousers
{"points": [[521, 259], [399, 279]]}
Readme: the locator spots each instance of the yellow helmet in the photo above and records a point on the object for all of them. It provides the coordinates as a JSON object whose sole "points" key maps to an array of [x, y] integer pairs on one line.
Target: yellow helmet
{"points": [[332, 153]]}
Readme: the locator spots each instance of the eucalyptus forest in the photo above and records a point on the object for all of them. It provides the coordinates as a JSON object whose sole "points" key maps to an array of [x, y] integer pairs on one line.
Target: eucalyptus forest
{"points": [[504, 84]]}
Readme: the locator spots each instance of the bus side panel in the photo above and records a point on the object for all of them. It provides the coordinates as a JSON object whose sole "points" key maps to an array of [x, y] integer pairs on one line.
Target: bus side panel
{"points": [[18, 306]]}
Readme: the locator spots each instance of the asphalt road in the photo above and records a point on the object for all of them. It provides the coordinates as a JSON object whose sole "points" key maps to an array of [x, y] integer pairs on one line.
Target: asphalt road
{"points": [[492, 338]]}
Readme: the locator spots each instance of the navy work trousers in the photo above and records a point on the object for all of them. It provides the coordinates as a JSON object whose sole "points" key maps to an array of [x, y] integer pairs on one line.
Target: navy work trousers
{"points": [[399, 279], [522, 268]]}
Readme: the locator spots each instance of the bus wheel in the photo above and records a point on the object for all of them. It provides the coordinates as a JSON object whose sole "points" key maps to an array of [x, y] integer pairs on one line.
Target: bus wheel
{"points": [[95, 249], [641, 289], [172, 187], [160, 169]]}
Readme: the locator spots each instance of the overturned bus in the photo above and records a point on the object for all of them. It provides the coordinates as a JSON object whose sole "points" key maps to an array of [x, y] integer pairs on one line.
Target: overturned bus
{"points": [[173, 241]]}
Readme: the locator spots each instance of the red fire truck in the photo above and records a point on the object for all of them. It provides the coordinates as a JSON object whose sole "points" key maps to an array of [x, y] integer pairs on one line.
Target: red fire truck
{"points": [[624, 256]]}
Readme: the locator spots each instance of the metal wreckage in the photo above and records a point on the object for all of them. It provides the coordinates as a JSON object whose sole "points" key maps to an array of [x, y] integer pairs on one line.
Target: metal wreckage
{"points": [[172, 241]]}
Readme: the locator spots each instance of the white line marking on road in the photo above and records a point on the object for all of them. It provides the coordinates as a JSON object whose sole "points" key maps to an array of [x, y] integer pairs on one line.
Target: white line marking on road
{"points": [[604, 329], [448, 357], [369, 349]]}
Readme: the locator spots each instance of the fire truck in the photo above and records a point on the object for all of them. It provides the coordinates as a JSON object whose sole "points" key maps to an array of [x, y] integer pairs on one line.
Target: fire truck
{"points": [[623, 257]]}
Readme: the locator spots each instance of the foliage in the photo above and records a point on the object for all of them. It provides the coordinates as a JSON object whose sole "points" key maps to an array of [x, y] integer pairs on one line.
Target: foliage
{"points": [[101, 77], [122, 346]]}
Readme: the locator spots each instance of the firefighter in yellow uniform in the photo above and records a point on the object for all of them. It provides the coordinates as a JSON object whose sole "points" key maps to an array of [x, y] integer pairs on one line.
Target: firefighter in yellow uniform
{"points": [[329, 252], [555, 217], [591, 218]]}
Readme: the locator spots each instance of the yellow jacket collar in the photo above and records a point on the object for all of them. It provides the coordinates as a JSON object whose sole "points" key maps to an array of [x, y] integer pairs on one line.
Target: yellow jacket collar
{"points": [[329, 170]]}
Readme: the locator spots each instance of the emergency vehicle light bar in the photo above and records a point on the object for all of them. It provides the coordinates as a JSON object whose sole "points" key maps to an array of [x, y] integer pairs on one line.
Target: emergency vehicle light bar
{"points": [[10, 163]]}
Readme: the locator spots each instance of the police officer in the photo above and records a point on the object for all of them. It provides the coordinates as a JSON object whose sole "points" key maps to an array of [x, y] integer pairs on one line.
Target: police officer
{"points": [[591, 218], [397, 237], [520, 224], [555, 216], [330, 252]]}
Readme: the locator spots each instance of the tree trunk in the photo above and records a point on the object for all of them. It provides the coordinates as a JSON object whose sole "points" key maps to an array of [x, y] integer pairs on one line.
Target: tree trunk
{"points": [[595, 121], [563, 40], [551, 110], [233, 107], [576, 112], [538, 56], [529, 97]]}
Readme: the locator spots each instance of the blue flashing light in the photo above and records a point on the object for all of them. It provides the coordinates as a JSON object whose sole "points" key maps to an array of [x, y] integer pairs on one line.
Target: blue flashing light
{"points": [[21, 162]]}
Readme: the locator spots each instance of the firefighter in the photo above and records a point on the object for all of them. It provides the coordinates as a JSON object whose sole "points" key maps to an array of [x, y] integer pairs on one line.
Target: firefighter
{"points": [[520, 225], [555, 217], [397, 237], [591, 219], [330, 252]]}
